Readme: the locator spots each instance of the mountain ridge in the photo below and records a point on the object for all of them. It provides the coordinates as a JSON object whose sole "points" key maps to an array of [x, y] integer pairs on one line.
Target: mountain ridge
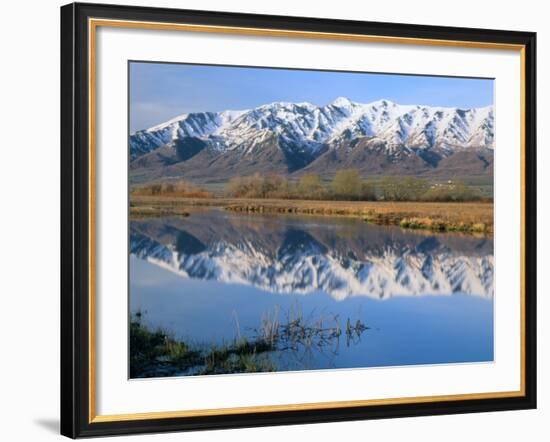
{"points": [[298, 134]]}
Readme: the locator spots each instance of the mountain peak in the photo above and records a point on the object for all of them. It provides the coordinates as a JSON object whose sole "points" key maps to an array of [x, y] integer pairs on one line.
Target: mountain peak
{"points": [[384, 103], [342, 102]]}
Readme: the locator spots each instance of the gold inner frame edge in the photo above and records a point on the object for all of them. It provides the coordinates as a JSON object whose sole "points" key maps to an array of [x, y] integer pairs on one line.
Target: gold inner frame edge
{"points": [[93, 24]]}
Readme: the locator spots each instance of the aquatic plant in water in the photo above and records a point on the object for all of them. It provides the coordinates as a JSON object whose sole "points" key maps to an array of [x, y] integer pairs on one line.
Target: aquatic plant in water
{"points": [[155, 352]]}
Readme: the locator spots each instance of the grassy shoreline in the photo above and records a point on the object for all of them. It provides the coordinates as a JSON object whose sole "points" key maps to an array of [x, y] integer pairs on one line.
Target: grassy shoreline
{"points": [[468, 217]]}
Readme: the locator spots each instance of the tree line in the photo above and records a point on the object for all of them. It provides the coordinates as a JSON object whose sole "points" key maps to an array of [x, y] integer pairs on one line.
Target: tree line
{"points": [[348, 184], [178, 188]]}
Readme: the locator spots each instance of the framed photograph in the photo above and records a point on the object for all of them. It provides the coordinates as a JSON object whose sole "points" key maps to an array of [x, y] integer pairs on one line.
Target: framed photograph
{"points": [[275, 220]]}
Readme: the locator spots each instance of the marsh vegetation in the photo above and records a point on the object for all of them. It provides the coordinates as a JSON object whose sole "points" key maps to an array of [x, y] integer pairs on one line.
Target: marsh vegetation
{"points": [[467, 217], [157, 352]]}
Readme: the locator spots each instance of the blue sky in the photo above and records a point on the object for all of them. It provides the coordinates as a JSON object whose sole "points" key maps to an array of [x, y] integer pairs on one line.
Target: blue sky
{"points": [[160, 91]]}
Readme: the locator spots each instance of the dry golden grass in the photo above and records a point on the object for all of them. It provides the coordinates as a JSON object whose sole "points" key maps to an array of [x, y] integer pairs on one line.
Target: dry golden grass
{"points": [[466, 216]]}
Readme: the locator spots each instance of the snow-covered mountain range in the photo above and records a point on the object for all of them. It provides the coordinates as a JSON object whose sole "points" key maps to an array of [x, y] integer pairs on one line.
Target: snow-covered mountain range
{"points": [[296, 135], [312, 126], [288, 259]]}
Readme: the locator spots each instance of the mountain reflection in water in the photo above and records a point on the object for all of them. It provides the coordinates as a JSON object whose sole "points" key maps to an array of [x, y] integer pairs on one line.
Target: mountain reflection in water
{"points": [[293, 255]]}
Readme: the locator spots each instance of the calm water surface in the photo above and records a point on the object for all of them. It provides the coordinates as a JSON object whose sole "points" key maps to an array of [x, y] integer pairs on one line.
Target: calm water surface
{"points": [[398, 297]]}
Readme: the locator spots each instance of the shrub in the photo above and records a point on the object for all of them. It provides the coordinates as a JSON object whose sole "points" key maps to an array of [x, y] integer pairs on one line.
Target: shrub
{"points": [[311, 187], [258, 186], [457, 191], [179, 188], [403, 188], [367, 191], [347, 184]]}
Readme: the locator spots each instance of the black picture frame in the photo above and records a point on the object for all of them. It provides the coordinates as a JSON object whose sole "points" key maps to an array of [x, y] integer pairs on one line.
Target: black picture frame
{"points": [[75, 220]]}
